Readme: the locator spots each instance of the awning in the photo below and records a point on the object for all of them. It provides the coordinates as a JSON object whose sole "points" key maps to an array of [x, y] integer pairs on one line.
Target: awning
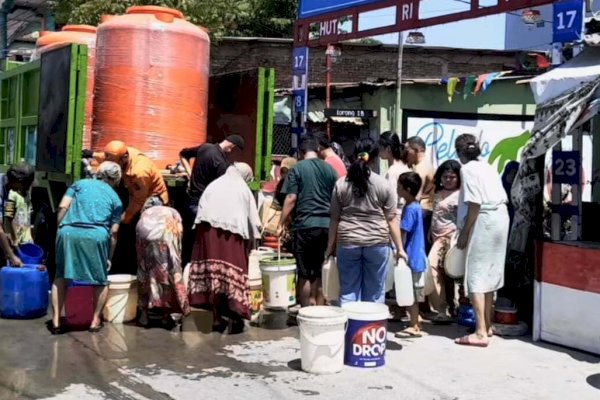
{"points": [[572, 74]]}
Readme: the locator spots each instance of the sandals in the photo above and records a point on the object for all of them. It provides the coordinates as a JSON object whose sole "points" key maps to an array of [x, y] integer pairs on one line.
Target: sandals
{"points": [[466, 341], [55, 330], [97, 328]]}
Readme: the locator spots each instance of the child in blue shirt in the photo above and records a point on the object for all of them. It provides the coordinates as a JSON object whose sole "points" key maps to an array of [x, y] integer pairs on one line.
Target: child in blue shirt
{"points": [[413, 237]]}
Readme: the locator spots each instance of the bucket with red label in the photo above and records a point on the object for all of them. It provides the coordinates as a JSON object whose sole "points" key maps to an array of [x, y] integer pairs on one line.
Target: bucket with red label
{"points": [[366, 336]]}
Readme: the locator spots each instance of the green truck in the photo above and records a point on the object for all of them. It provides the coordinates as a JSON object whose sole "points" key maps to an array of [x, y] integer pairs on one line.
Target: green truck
{"points": [[42, 105]]}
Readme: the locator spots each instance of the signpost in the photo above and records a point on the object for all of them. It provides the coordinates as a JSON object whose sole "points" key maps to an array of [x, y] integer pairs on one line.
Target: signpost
{"points": [[311, 8], [299, 93], [566, 167], [319, 19], [568, 21], [334, 112]]}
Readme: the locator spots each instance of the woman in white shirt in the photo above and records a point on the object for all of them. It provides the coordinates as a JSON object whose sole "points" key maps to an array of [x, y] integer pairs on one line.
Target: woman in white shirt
{"points": [[483, 224]]}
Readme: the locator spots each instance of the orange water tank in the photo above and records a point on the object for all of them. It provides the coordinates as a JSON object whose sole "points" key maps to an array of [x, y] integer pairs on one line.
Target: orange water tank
{"points": [[78, 34], [152, 74]]}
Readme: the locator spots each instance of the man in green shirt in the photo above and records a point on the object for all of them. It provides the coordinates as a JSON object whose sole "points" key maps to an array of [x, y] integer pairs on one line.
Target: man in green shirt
{"points": [[308, 188]]}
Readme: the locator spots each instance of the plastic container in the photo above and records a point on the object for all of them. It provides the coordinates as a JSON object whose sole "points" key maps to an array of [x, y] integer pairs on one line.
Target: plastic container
{"points": [[254, 261], [152, 71], [77, 34], [256, 299], [403, 281], [278, 282], [366, 336], [455, 262], [506, 316], [121, 305], [466, 316], [79, 306], [30, 253], [331, 280], [23, 292], [322, 333]]}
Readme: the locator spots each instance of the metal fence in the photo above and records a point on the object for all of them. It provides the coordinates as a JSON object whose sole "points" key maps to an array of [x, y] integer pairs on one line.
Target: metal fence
{"points": [[282, 139]]}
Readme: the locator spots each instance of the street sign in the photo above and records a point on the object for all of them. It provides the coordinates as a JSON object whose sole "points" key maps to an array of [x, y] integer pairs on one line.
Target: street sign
{"points": [[568, 21], [299, 93], [334, 112], [319, 20], [566, 167], [313, 8]]}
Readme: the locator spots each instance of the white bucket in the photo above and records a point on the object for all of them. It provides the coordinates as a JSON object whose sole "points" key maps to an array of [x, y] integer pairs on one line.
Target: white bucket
{"points": [[278, 282], [121, 305], [366, 336], [254, 261], [322, 332]]}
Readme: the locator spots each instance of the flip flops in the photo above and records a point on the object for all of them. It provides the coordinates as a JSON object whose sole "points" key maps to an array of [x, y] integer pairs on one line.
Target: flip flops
{"points": [[409, 333], [466, 341]]}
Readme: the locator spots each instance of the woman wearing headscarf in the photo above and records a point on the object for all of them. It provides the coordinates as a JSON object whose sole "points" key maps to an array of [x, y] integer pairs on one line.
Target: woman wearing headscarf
{"points": [[159, 233], [483, 225], [88, 221], [226, 222], [363, 217]]}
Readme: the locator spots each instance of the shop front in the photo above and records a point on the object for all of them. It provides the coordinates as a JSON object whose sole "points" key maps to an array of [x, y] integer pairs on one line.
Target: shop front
{"points": [[563, 224]]}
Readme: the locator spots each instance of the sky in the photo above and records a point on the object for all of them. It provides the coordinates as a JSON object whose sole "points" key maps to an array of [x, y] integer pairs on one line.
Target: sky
{"points": [[482, 33]]}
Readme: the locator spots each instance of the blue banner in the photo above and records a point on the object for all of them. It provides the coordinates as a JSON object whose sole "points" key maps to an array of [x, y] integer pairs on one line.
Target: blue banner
{"points": [[568, 21], [314, 8]]}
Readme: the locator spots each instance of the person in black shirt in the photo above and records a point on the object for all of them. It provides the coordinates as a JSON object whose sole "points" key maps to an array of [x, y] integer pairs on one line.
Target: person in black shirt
{"points": [[210, 162]]}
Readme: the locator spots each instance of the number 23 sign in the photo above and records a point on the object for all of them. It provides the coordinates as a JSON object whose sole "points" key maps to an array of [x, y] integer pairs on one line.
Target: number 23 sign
{"points": [[566, 167]]}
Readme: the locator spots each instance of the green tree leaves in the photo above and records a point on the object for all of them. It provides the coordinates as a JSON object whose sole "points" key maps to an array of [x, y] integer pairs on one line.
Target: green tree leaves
{"points": [[263, 18]]}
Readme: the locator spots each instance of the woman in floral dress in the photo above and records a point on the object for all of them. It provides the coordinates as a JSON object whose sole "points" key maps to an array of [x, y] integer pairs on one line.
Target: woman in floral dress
{"points": [[159, 234]]}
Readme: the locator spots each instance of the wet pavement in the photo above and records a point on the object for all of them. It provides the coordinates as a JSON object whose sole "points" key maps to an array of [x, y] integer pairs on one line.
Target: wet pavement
{"points": [[125, 362]]}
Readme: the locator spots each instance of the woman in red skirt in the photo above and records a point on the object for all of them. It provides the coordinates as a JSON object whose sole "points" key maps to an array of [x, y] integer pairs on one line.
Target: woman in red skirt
{"points": [[226, 223]]}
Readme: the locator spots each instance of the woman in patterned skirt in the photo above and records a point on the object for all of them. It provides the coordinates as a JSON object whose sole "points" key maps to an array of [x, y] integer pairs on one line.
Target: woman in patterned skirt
{"points": [[226, 222], [159, 233]]}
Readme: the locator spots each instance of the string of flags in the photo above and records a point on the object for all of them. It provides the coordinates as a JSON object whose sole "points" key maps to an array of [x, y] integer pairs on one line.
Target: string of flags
{"points": [[471, 85]]}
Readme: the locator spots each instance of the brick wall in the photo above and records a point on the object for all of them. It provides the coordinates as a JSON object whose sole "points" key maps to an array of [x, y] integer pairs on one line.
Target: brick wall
{"points": [[358, 62]]}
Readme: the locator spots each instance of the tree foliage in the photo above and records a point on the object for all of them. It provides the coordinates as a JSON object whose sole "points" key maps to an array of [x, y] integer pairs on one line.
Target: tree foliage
{"points": [[264, 18]]}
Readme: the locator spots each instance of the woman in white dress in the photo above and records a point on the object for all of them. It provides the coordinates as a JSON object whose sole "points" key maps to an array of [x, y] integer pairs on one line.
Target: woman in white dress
{"points": [[483, 224]]}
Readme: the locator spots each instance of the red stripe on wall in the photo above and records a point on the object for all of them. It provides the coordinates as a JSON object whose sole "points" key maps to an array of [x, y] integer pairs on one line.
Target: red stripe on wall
{"points": [[569, 266]]}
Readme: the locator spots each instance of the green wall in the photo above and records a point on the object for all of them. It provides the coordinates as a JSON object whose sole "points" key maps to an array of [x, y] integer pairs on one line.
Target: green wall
{"points": [[503, 97]]}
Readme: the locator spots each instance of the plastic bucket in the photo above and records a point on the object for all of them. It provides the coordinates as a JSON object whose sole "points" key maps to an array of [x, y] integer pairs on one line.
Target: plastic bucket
{"points": [[30, 253], [366, 336], [254, 261], [121, 305], [256, 299], [278, 282], [322, 331], [79, 306]]}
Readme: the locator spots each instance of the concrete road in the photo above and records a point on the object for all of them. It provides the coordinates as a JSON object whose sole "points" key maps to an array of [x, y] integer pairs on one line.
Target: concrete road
{"points": [[130, 363]]}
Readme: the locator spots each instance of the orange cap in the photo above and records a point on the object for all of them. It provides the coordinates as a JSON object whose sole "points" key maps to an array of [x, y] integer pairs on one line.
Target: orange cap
{"points": [[116, 149]]}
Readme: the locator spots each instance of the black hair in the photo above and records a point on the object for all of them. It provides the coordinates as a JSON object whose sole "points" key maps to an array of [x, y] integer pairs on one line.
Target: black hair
{"points": [[467, 146], [411, 182], [392, 140], [416, 142], [323, 139], [447, 166], [21, 173], [309, 144], [359, 172]]}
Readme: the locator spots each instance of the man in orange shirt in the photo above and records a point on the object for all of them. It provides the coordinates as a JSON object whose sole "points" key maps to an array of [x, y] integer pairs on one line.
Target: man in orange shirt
{"points": [[140, 176]]}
